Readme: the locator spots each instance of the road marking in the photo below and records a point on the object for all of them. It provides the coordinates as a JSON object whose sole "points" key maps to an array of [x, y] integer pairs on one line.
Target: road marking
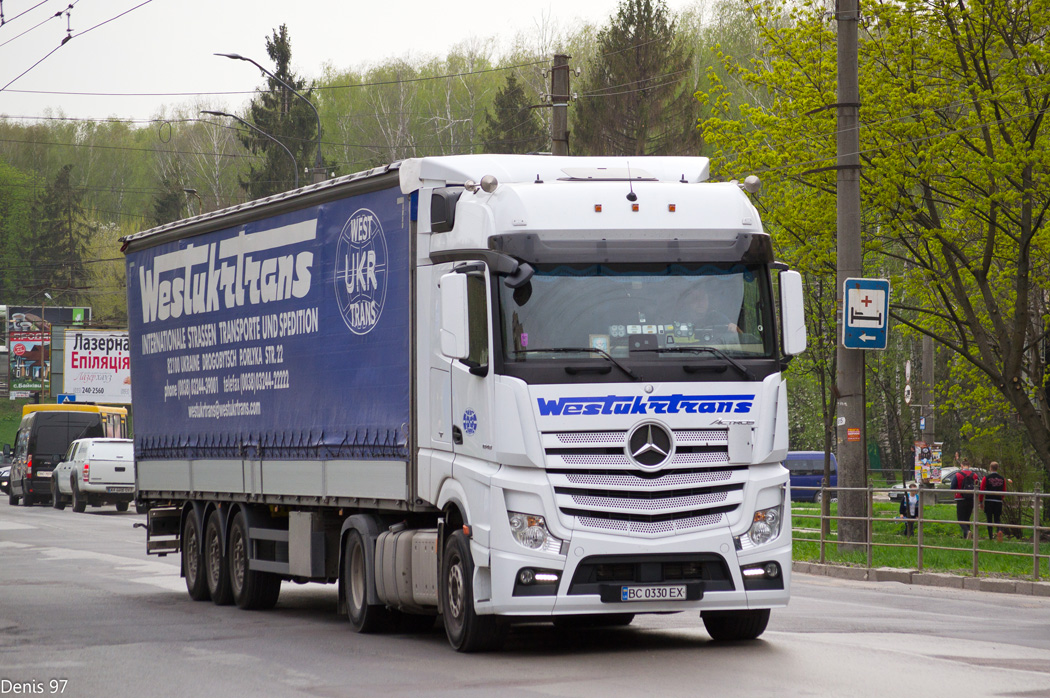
{"points": [[14, 526]]}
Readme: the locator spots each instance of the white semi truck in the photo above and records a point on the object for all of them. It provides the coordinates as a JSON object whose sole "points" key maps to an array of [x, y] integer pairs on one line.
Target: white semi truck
{"points": [[496, 388]]}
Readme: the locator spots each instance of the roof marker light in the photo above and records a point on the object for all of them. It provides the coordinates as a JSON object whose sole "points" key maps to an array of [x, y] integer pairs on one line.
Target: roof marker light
{"points": [[597, 208]]}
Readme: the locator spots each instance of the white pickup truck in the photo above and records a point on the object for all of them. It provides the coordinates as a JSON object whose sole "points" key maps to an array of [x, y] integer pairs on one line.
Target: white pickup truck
{"points": [[96, 472]]}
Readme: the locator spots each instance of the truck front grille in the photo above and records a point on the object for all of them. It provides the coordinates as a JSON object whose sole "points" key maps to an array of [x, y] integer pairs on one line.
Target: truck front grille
{"points": [[597, 483]]}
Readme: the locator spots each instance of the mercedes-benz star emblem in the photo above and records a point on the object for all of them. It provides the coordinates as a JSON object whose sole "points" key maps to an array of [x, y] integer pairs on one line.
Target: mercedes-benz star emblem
{"points": [[649, 445]]}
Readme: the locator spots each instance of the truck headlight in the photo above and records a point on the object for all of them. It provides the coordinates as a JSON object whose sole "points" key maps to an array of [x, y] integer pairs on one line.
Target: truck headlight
{"points": [[531, 532], [765, 526]]}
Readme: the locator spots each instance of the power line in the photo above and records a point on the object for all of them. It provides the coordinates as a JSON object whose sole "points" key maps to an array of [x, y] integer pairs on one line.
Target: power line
{"points": [[70, 36]]}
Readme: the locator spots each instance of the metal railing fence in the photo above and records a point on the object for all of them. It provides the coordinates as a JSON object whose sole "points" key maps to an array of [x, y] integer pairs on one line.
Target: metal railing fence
{"points": [[1025, 508]]}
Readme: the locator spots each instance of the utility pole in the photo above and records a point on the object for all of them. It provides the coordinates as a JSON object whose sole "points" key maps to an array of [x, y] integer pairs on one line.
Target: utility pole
{"points": [[849, 381], [560, 96]]}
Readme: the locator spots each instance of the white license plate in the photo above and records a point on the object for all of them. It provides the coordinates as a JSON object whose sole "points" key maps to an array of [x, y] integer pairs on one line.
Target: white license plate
{"points": [[665, 593], [43, 473], [119, 490]]}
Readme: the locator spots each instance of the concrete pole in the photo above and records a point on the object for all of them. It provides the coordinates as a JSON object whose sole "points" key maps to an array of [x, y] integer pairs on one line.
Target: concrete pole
{"points": [[851, 433], [560, 105]]}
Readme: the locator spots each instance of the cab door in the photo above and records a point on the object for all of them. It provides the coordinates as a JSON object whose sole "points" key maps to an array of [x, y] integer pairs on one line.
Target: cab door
{"points": [[473, 431]]}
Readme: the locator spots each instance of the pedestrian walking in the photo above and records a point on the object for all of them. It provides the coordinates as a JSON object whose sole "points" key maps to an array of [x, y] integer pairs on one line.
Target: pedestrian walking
{"points": [[992, 486], [964, 481]]}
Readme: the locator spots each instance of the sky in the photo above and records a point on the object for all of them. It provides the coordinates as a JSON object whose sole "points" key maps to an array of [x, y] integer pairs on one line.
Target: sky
{"points": [[163, 50]]}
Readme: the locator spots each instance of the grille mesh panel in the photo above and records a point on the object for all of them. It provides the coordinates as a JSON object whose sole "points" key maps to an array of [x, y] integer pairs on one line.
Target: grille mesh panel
{"points": [[701, 457]]}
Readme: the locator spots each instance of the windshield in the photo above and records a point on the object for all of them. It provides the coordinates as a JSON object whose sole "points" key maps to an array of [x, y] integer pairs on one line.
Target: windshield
{"points": [[646, 311]]}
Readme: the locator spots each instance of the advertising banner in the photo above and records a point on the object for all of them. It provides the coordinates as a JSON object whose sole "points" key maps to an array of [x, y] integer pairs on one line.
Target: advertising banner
{"points": [[30, 361], [286, 337], [927, 462], [98, 366]]}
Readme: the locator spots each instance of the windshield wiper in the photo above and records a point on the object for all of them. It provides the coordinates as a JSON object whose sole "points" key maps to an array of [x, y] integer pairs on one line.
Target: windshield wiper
{"points": [[573, 350], [710, 350]]}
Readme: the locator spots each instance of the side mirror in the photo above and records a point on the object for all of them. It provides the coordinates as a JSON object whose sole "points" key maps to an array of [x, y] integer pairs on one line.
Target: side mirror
{"points": [[793, 313], [455, 333]]}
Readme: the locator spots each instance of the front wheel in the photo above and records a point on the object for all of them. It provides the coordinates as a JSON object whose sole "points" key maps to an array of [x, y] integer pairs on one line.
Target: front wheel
{"points": [[252, 589], [467, 631], [729, 626], [364, 617], [56, 499]]}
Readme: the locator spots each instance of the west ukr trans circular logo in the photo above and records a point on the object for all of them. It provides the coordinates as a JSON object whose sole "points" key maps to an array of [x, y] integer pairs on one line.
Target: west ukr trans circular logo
{"points": [[361, 271]]}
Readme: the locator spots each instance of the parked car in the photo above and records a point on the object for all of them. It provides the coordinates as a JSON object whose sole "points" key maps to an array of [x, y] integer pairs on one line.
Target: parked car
{"points": [[942, 491], [807, 474], [95, 472]]}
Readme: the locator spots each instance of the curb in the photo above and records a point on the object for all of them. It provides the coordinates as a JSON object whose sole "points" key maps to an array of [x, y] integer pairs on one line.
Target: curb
{"points": [[930, 579]]}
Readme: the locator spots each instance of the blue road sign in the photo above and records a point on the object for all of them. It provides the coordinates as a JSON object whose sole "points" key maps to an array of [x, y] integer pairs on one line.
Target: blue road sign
{"points": [[865, 313], [66, 397]]}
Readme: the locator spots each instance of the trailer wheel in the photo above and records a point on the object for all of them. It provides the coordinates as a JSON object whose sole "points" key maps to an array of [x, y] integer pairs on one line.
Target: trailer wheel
{"points": [[364, 617], [79, 504], [467, 631], [731, 626], [216, 570], [192, 560], [56, 499], [252, 589]]}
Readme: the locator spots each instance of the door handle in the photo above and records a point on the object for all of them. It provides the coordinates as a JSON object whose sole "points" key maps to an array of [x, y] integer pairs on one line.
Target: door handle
{"points": [[457, 435]]}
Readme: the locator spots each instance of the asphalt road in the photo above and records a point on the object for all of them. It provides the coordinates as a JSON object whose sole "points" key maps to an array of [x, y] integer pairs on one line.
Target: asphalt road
{"points": [[85, 612]]}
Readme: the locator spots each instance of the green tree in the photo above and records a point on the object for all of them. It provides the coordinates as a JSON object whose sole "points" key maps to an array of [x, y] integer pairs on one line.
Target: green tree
{"points": [[279, 113], [60, 232], [16, 200], [168, 201], [636, 96], [956, 161], [512, 126]]}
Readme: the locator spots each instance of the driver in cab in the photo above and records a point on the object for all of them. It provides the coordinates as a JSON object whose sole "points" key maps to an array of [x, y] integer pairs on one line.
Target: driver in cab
{"points": [[698, 310]]}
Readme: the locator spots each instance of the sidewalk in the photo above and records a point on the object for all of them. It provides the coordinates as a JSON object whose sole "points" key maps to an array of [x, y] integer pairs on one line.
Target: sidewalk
{"points": [[930, 579]]}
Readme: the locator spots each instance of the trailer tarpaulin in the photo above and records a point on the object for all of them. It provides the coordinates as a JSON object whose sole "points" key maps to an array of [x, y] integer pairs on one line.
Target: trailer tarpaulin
{"points": [[286, 337]]}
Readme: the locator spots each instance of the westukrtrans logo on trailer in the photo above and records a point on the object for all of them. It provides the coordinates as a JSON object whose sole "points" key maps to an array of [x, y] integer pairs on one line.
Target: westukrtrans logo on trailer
{"points": [[361, 271]]}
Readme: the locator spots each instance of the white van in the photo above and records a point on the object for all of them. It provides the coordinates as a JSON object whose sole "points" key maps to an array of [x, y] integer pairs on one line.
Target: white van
{"points": [[96, 472]]}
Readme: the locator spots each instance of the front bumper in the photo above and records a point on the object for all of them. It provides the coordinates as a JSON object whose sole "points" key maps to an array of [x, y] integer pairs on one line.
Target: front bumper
{"points": [[660, 562]]}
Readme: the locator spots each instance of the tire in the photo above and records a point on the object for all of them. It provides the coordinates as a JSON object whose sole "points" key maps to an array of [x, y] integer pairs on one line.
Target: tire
{"points": [[609, 620], [252, 589], [27, 501], [141, 507], [122, 506], [193, 560], [216, 570], [466, 630], [56, 499], [364, 618], [79, 504], [732, 626]]}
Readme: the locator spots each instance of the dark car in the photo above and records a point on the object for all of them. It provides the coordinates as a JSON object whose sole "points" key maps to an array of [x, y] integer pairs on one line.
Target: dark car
{"points": [[807, 474], [942, 490], [5, 478]]}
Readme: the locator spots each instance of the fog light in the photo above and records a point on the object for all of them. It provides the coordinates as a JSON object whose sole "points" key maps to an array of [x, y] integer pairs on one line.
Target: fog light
{"points": [[772, 570], [528, 576]]}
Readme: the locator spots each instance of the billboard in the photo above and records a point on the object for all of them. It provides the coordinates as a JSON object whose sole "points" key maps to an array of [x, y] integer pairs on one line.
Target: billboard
{"points": [[98, 366], [30, 361]]}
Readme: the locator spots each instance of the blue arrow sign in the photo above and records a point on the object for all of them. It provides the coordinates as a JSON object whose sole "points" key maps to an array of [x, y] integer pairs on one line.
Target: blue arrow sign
{"points": [[866, 314]]}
